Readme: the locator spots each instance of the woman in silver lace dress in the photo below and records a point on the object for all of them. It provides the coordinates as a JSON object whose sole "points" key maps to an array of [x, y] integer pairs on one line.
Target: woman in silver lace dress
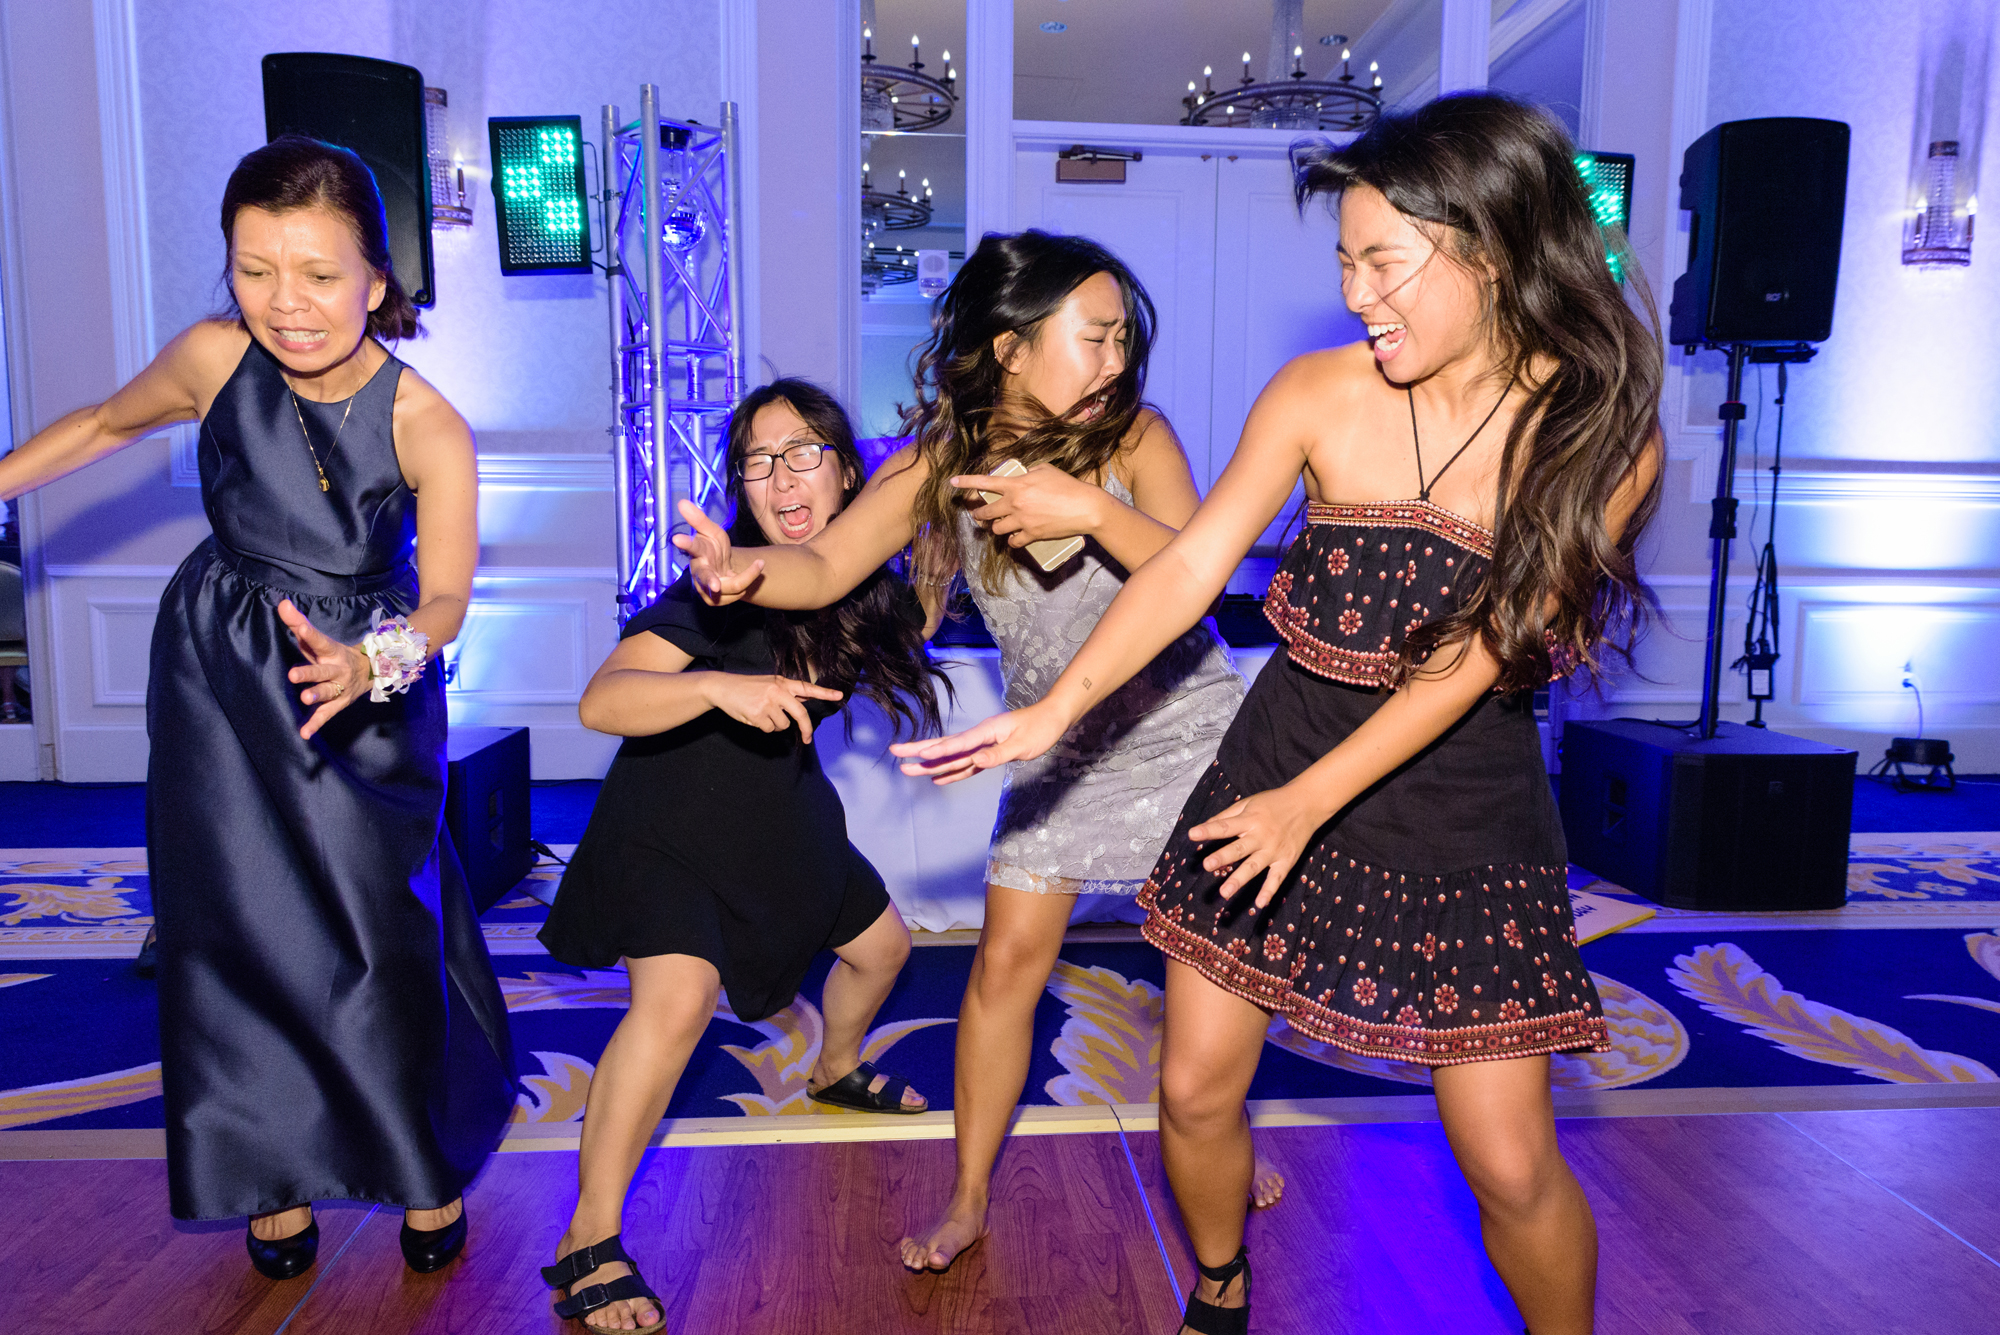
{"points": [[1037, 357], [1089, 816]]}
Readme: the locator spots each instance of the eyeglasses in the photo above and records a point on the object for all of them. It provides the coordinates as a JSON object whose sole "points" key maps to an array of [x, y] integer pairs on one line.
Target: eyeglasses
{"points": [[802, 458]]}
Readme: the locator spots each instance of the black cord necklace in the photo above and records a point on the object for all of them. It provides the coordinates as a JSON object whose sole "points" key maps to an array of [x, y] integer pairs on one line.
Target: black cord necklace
{"points": [[1423, 487]]}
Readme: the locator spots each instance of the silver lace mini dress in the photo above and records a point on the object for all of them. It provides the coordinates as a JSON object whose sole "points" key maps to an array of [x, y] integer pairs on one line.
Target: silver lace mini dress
{"points": [[1092, 814]]}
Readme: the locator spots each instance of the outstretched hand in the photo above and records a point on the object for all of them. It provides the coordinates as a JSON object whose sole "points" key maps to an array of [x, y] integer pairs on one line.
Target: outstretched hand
{"points": [[1020, 734], [1266, 832], [710, 558], [339, 673]]}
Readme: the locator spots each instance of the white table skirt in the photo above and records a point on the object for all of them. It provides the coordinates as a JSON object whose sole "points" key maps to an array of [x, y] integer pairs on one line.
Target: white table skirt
{"points": [[928, 842]]}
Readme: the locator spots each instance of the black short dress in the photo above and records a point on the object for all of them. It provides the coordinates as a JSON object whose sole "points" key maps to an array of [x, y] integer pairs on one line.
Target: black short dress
{"points": [[1429, 920], [716, 839]]}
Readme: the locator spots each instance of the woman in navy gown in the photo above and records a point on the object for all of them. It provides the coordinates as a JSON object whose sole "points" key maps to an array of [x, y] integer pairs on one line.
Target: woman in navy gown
{"points": [[330, 1025]]}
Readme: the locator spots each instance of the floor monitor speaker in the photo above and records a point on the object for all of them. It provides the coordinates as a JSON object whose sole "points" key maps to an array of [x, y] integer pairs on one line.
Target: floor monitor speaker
{"points": [[486, 808], [375, 108], [1749, 819], [1767, 198]]}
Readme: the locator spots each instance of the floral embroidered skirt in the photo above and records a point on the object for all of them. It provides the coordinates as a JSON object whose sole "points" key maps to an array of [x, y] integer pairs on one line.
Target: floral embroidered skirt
{"points": [[1428, 922]]}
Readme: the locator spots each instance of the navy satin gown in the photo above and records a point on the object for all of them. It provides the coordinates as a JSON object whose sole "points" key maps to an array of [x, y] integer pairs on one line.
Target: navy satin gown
{"points": [[330, 1027]]}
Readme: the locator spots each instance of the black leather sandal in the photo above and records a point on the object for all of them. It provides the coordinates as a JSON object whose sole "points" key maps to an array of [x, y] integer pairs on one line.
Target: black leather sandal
{"points": [[428, 1249], [852, 1091], [577, 1305], [284, 1258], [1208, 1319]]}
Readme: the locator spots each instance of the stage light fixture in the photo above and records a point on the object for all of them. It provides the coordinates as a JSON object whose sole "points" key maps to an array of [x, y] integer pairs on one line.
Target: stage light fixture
{"points": [[538, 193], [1607, 180]]}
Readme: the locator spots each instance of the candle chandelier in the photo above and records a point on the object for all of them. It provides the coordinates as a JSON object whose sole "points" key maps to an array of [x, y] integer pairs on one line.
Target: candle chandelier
{"points": [[903, 211], [1342, 102], [902, 98], [882, 268]]}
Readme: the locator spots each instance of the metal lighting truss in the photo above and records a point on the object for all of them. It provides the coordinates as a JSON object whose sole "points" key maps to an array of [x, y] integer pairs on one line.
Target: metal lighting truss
{"points": [[671, 202]]}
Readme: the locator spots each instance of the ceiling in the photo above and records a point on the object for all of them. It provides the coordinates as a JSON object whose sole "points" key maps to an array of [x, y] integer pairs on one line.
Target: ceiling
{"points": [[1130, 60]]}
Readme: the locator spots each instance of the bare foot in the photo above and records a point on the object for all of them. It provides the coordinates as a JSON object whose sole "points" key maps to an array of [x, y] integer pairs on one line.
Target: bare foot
{"points": [[961, 1226], [430, 1221], [281, 1224], [824, 1075], [624, 1314], [1267, 1186]]}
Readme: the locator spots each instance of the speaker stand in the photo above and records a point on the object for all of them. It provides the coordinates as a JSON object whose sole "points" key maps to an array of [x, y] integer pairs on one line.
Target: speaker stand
{"points": [[1722, 518]]}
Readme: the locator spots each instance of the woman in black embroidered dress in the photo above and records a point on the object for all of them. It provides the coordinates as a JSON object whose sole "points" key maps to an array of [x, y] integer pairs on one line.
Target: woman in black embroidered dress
{"points": [[1384, 778]]}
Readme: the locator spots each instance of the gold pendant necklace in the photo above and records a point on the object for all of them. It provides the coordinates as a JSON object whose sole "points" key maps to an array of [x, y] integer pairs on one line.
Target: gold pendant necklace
{"points": [[299, 412]]}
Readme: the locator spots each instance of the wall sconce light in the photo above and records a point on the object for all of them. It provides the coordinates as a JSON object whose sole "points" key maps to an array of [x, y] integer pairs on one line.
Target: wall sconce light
{"points": [[451, 206], [1950, 124]]}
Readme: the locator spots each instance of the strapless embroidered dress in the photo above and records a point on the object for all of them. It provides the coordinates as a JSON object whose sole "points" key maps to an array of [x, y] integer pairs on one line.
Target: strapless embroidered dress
{"points": [[1429, 920]]}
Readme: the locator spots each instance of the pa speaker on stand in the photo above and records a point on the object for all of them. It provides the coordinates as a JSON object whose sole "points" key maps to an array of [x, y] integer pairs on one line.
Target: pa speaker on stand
{"points": [[376, 109], [1713, 815]]}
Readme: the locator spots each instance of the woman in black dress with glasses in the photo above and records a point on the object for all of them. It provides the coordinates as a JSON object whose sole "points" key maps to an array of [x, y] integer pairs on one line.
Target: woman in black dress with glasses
{"points": [[717, 859]]}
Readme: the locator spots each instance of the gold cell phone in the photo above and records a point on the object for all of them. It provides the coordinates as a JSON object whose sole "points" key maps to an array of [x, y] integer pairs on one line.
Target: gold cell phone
{"points": [[1049, 553]]}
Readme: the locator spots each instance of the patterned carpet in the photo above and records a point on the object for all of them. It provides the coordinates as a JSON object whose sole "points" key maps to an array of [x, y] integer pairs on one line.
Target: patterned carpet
{"points": [[1894, 988]]}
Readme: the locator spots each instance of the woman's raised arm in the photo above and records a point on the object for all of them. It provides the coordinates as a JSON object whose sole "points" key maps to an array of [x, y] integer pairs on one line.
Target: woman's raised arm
{"points": [[812, 574], [175, 387]]}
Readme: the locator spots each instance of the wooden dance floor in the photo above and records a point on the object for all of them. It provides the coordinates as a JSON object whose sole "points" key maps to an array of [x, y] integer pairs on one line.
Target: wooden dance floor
{"points": [[1769, 1222]]}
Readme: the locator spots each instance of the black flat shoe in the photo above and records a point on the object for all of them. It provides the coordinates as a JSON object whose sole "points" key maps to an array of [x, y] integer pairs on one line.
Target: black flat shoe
{"points": [[284, 1258], [147, 962], [852, 1091], [428, 1249], [1208, 1319], [578, 1303]]}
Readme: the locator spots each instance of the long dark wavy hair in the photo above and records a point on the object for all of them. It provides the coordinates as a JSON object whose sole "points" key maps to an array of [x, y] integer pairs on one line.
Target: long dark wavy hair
{"points": [[293, 172], [1495, 183], [962, 422], [871, 642]]}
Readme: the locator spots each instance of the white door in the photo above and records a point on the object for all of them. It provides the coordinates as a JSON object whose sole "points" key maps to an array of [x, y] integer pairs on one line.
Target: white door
{"points": [[1277, 295], [1161, 223]]}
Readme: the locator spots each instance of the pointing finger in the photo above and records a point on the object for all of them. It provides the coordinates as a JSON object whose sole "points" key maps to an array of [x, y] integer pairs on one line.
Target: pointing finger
{"points": [[794, 707]]}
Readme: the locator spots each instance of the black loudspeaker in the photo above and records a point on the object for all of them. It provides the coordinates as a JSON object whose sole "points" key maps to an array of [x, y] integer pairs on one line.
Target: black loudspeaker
{"points": [[1764, 242], [1750, 819], [486, 808], [376, 108]]}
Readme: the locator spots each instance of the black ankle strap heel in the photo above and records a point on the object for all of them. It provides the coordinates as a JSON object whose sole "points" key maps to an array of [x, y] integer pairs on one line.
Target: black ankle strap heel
{"points": [[1208, 1319]]}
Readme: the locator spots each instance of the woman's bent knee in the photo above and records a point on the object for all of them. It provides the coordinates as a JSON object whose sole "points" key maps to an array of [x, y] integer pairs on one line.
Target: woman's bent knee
{"points": [[1515, 1180]]}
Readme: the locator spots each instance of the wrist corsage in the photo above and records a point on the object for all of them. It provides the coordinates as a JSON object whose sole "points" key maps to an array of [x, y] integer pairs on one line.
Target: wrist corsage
{"points": [[396, 656]]}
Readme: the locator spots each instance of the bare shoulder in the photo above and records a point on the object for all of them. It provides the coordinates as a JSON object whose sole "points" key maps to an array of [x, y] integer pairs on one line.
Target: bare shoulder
{"points": [[420, 406], [1322, 378], [204, 355], [1151, 443]]}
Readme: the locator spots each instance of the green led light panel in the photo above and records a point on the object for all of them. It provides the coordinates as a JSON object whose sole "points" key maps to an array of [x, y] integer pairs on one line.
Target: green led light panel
{"points": [[538, 194], [1607, 179]]}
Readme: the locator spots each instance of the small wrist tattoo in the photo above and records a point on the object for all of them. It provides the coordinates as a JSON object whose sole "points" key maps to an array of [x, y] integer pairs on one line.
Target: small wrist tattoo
{"points": [[1086, 684]]}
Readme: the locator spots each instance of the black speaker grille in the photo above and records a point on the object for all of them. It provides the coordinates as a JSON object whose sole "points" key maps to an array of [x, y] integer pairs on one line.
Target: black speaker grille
{"points": [[1768, 198], [375, 108]]}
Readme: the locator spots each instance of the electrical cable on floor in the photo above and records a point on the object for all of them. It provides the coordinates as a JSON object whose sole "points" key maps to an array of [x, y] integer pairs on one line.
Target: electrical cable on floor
{"points": [[1166, 1261], [320, 1270], [1762, 618]]}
